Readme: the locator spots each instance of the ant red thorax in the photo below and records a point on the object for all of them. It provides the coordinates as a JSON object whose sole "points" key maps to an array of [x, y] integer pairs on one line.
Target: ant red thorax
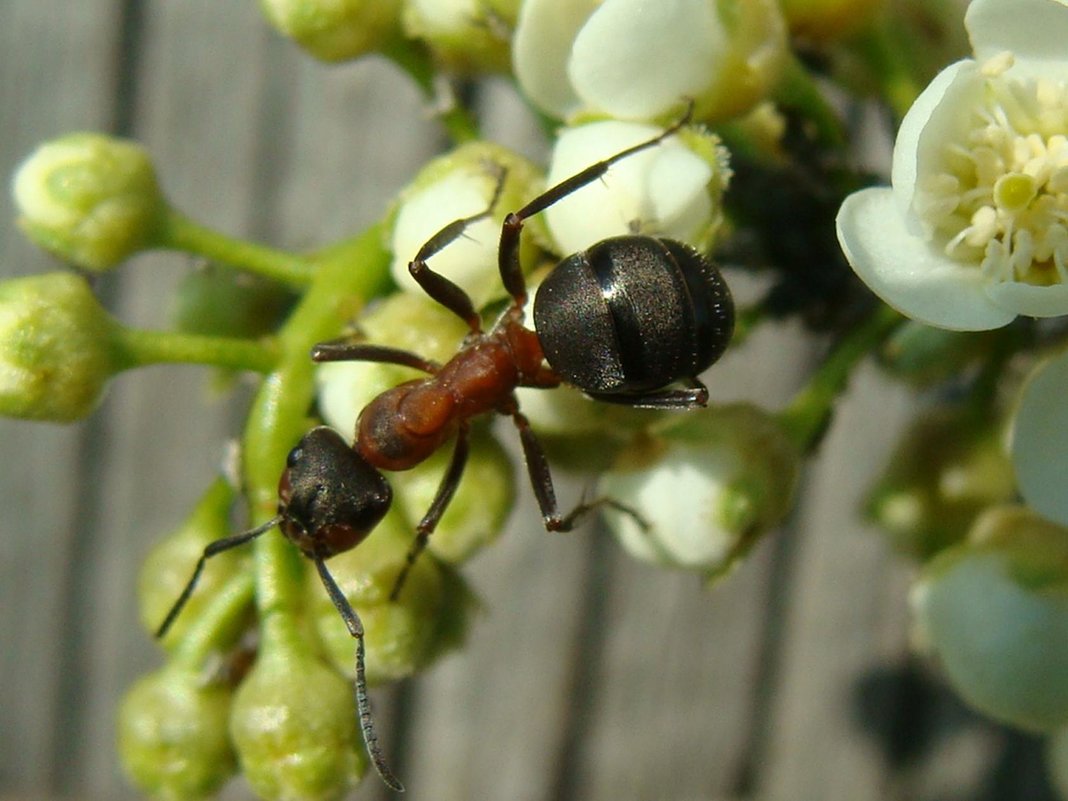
{"points": [[626, 321]]}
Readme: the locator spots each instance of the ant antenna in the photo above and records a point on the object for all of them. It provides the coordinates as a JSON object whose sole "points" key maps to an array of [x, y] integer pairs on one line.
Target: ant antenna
{"points": [[212, 548], [363, 702]]}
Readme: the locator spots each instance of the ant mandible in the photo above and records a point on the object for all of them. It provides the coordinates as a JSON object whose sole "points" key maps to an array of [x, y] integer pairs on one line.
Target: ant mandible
{"points": [[622, 321]]}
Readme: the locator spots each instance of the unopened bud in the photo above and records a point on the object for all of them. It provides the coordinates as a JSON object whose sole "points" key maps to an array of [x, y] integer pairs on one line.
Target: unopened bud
{"points": [[462, 184], [174, 740], [335, 30], [466, 36], [57, 348], [717, 480], [994, 611], [90, 199], [294, 725]]}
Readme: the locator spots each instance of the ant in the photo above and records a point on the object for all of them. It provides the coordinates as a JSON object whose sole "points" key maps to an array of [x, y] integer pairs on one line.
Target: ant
{"points": [[623, 321]]}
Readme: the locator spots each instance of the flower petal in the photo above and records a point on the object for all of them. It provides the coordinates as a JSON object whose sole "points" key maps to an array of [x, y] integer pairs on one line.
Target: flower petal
{"points": [[540, 48], [1040, 439], [1030, 300], [933, 120], [1034, 30], [637, 60], [907, 273]]}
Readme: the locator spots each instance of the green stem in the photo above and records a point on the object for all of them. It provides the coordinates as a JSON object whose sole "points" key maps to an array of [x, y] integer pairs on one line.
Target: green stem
{"points": [[887, 58], [140, 347], [181, 233], [415, 60], [806, 417], [797, 89], [346, 274]]}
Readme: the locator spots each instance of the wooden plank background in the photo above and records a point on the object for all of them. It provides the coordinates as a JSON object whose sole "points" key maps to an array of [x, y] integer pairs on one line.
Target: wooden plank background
{"points": [[590, 676]]}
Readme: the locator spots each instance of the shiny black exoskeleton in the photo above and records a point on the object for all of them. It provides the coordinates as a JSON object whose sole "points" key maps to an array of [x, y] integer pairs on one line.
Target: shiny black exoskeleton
{"points": [[631, 315]]}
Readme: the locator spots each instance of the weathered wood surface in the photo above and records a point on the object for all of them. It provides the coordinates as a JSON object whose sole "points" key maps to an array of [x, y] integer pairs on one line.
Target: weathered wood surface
{"points": [[589, 676]]}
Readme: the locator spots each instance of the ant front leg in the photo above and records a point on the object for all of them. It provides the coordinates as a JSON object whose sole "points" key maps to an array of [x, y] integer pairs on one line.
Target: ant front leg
{"points": [[446, 489], [437, 286], [542, 481], [508, 253], [363, 702], [343, 350]]}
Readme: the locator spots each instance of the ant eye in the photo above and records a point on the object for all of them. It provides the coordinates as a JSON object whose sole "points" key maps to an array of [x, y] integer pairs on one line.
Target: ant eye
{"points": [[295, 455]]}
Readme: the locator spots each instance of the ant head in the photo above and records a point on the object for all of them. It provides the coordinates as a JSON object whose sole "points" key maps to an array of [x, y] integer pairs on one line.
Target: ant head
{"points": [[329, 497]]}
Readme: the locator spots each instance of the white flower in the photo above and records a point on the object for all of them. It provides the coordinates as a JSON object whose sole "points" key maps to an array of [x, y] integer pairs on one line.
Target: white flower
{"points": [[670, 190], [459, 184], [974, 230], [638, 60], [1040, 439], [719, 479]]}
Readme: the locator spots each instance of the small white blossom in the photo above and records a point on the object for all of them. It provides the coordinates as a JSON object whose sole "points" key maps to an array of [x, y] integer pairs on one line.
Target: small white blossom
{"points": [[463, 184], [636, 60], [974, 230], [671, 190]]}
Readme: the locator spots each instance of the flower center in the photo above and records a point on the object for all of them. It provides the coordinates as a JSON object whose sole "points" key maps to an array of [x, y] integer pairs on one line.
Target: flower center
{"points": [[1000, 199]]}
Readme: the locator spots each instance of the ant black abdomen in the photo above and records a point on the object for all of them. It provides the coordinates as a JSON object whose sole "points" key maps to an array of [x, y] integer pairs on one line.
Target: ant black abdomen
{"points": [[631, 315]]}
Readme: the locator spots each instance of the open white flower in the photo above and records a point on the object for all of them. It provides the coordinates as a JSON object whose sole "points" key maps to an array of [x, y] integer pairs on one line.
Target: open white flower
{"points": [[636, 60], [974, 230]]}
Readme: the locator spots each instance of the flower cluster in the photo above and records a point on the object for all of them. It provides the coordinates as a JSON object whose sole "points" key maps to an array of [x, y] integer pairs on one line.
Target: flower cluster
{"points": [[972, 235], [692, 125]]}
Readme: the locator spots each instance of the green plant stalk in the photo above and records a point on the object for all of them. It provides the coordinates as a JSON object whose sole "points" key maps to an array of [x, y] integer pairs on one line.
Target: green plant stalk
{"points": [[181, 233], [345, 275], [806, 417], [798, 89], [886, 52], [414, 59], [140, 347]]}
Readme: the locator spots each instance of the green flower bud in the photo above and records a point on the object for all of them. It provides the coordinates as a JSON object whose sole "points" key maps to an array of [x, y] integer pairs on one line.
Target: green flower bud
{"points": [[335, 30], [402, 636], [923, 355], [708, 487], [213, 301], [294, 725], [461, 184], [466, 36], [828, 20], [57, 348], [477, 513], [170, 563], [90, 199], [174, 740], [994, 611], [949, 467]]}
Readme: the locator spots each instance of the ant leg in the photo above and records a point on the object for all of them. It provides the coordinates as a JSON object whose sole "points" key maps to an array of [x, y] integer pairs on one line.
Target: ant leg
{"points": [[342, 350], [542, 481], [363, 702], [437, 286], [694, 396], [508, 253], [212, 548], [446, 489]]}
